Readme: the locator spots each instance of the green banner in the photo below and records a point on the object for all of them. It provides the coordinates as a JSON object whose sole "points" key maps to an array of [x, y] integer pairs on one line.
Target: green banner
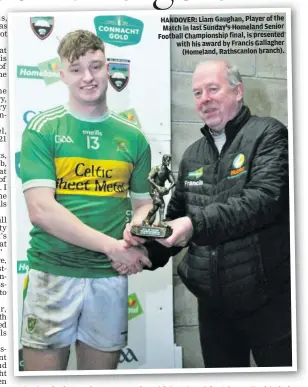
{"points": [[134, 307], [22, 267], [49, 71]]}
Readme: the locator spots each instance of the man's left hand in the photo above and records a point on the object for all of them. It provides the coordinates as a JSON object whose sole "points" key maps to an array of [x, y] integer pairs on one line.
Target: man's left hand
{"points": [[131, 239], [182, 232]]}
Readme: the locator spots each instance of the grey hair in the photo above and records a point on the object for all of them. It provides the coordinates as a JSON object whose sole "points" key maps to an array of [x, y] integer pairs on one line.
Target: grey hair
{"points": [[234, 78], [233, 75]]}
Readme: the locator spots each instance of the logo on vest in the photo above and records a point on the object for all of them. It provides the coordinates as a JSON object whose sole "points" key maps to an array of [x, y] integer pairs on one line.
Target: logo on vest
{"points": [[238, 166], [193, 178], [239, 161], [195, 175]]}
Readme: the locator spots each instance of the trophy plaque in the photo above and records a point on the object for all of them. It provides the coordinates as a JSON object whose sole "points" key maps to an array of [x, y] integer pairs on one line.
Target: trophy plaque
{"points": [[153, 232], [158, 177]]}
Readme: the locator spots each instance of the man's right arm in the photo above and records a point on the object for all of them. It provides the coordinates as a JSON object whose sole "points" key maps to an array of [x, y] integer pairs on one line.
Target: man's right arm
{"points": [[39, 181], [45, 212]]}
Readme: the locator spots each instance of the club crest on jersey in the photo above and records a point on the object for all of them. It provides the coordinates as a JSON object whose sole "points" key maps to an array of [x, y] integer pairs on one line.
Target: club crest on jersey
{"points": [[42, 26], [118, 73], [121, 144]]}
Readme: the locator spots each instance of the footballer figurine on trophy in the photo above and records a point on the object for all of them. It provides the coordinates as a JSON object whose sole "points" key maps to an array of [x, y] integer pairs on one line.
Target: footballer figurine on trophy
{"points": [[158, 177]]}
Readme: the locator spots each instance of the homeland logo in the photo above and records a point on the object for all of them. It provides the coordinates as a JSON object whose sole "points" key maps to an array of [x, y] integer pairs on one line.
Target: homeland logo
{"points": [[118, 73], [239, 161], [134, 307], [22, 267], [131, 115], [42, 26], [238, 166], [195, 175], [49, 71], [119, 30], [50, 67]]}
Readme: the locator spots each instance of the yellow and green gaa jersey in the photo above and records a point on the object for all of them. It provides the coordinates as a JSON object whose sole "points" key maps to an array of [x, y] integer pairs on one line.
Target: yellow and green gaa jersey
{"points": [[92, 165]]}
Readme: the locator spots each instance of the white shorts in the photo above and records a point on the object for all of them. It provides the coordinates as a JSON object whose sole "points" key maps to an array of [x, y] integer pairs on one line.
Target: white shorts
{"points": [[59, 310]]}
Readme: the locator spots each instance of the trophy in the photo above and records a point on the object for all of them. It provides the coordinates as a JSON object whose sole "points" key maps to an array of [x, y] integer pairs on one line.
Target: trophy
{"points": [[158, 177]]}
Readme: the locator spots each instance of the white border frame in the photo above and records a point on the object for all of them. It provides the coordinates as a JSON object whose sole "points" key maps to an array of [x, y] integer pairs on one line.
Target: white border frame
{"points": [[171, 12]]}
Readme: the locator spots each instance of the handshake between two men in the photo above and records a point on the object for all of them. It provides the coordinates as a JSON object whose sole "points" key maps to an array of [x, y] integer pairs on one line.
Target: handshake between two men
{"points": [[135, 254]]}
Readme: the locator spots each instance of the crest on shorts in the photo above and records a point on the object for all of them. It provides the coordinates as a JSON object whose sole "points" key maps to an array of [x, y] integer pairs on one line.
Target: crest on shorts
{"points": [[42, 26], [118, 73], [31, 321]]}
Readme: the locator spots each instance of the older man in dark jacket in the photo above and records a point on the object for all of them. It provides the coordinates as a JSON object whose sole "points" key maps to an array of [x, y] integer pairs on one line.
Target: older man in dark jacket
{"points": [[231, 208]]}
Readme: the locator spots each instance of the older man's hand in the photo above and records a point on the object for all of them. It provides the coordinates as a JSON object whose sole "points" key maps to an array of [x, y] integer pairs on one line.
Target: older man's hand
{"points": [[182, 232]]}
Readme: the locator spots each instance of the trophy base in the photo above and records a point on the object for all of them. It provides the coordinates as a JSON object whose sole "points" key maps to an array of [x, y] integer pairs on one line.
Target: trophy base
{"points": [[151, 231]]}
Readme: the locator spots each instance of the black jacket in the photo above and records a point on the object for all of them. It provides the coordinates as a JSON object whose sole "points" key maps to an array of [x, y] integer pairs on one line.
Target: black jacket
{"points": [[238, 202]]}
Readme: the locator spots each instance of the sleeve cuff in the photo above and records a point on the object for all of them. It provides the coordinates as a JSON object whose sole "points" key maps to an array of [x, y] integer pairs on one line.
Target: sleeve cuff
{"points": [[197, 223], [159, 255], [38, 183]]}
